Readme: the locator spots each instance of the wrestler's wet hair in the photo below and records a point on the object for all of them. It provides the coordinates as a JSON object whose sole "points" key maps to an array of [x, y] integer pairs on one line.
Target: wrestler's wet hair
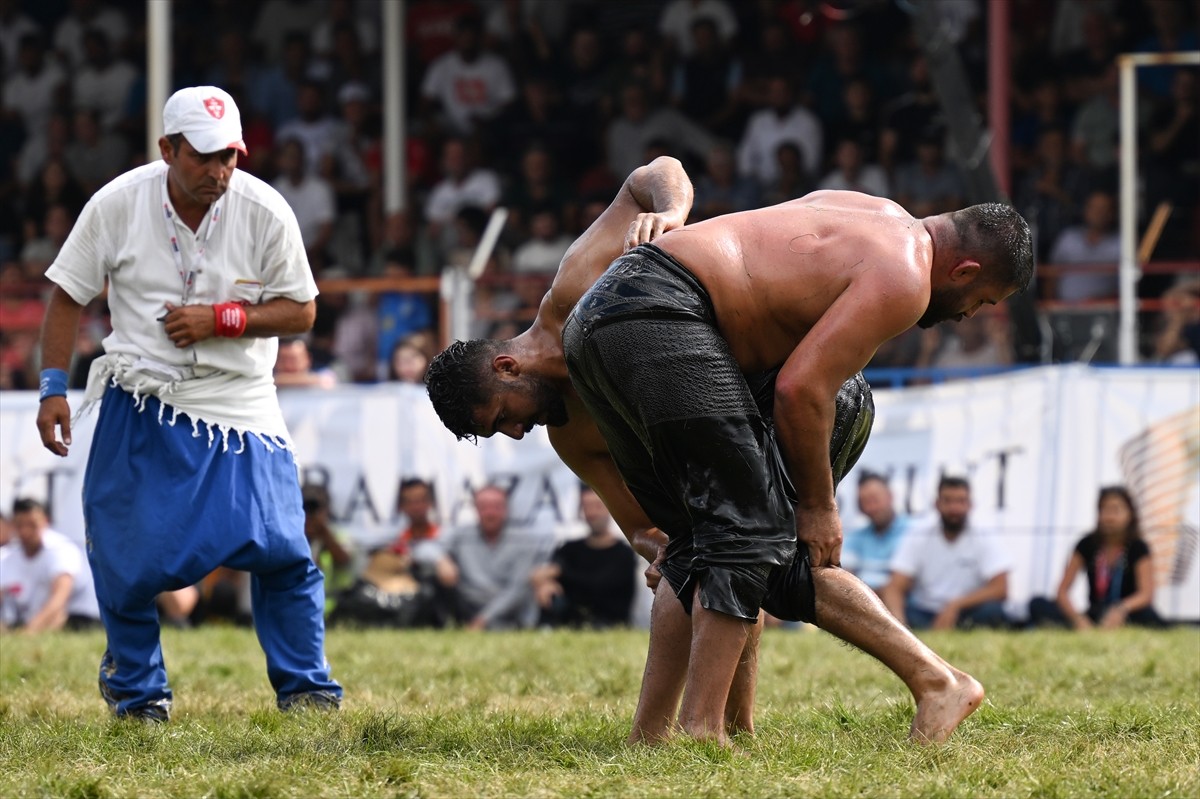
{"points": [[459, 380], [999, 237]]}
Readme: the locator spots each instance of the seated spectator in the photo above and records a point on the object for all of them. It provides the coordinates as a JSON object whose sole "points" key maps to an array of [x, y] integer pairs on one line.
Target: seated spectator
{"points": [[639, 124], [868, 551], [851, 174], [537, 187], [983, 340], [589, 582], [547, 245], [1178, 338], [45, 581], [39, 253], [467, 88], [792, 180], [1095, 242], [103, 83], [95, 156], [783, 120], [32, 91], [311, 197], [399, 313], [314, 128], [492, 561], [407, 363], [860, 121], [1049, 194], [721, 190], [294, 369], [705, 81], [463, 184], [929, 186], [1119, 569], [949, 575], [330, 546]]}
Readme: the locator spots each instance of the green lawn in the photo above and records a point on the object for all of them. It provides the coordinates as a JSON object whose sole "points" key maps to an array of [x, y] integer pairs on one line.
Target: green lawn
{"points": [[453, 714]]}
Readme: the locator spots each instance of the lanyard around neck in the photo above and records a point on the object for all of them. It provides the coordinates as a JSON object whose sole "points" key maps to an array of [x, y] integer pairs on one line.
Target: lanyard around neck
{"points": [[186, 276]]}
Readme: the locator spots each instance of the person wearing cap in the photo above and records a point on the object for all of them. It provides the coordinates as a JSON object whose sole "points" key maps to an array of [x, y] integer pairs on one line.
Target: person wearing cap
{"points": [[191, 465]]}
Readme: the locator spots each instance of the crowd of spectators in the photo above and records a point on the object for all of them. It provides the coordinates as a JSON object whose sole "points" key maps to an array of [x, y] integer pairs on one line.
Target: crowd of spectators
{"points": [[543, 107]]}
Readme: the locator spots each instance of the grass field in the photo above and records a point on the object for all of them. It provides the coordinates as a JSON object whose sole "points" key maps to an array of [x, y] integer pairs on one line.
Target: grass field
{"points": [[453, 714]]}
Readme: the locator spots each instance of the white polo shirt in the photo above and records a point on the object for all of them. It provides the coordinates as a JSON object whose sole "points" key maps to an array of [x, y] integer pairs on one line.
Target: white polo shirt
{"points": [[253, 252], [25, 582], [943, 570]]}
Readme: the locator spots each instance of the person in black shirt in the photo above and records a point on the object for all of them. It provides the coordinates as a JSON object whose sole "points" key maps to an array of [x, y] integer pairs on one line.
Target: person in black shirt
{"points": [[1119, 570], [590, 581]]}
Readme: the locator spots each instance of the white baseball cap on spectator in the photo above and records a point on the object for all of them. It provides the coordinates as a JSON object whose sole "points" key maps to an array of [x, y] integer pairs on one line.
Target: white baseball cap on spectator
{"points": [[207, 116]]}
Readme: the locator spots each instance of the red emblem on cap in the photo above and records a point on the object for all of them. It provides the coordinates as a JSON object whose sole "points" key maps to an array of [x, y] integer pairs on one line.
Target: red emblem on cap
{"points": [[215, 107]]}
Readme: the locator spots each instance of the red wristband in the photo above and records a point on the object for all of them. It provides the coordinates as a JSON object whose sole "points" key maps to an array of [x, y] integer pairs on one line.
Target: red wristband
{"points": [[230, 319]]}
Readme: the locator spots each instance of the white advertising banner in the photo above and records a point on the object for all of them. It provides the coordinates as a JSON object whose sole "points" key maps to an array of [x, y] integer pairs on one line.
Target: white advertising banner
{"points": [[1036, 444]]}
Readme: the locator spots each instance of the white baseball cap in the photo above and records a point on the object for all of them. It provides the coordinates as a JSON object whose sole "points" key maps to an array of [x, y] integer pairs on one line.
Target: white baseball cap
{"points": [[207, 116]]}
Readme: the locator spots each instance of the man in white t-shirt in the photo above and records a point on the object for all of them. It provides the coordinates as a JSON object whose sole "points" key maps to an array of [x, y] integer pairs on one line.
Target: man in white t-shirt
{"points": [[44, 582], [311, 199], [469, 85], [949, 575], [191, 465]]}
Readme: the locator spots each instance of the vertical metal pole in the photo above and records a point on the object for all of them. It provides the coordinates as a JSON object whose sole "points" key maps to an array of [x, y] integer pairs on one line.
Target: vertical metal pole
{"points": [[158, 70], [394, 196], [1127, 352], [999, 83]]}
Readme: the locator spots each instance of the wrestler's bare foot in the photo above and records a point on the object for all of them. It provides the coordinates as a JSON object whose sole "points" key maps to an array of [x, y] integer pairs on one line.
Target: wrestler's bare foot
{"points": [[941, 710], [643, 737]]}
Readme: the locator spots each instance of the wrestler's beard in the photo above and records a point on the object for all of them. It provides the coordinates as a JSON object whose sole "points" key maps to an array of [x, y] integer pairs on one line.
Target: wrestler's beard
{"points": [[944, 304], [551, 402]]}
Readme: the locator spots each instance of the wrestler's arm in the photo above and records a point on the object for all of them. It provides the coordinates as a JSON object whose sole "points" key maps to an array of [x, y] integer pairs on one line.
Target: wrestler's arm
{"points": [[869, 312], [663, 192], [582, 448]]}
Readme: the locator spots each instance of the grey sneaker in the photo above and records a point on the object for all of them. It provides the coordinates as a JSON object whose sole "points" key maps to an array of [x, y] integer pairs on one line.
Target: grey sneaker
{"points": [[153, 713], [310, 700]]}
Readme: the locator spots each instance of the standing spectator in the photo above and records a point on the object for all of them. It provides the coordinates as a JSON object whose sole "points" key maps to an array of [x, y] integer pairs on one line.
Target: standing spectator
{"points": [[631, 134], [721, 190], [929, 186], [84, 16], [470, 87], [45, 584], [311, 199], [783, 120], [949, 575], [1094, 243], [851, 174], [357, 176], [492, 564], [96, 156], [868, 551], [845, 61], [276, 95], [1119, 569], [589, 582], [146, 477], [34, 88], [583, 77], [775, 54], [540, 122], [679, 16], [103, 82]]}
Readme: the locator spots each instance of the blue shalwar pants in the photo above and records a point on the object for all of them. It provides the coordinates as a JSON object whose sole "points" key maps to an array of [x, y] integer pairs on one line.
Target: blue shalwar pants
{"points": [[162, 509]]}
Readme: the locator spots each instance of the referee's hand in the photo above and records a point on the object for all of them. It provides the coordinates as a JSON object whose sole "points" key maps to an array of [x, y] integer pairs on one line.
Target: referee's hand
{"points": [[54, 413]]}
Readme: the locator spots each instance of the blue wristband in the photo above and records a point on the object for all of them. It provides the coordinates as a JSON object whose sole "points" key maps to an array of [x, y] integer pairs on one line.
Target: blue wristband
{"points": [[52, 384]]}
